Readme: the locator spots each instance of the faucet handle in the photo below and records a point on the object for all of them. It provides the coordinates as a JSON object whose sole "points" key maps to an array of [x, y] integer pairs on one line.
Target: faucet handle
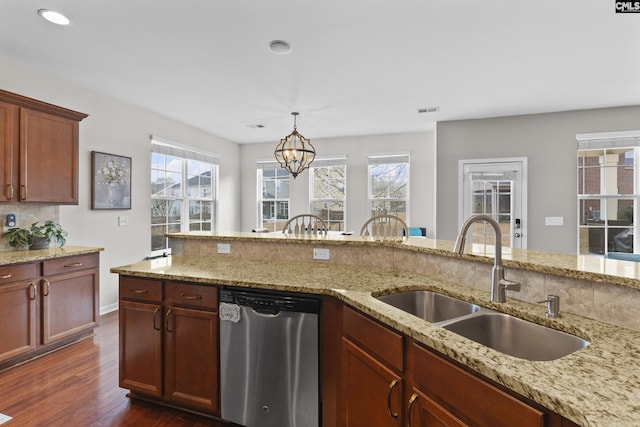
{"points": [[553, 306], [509, 285]]}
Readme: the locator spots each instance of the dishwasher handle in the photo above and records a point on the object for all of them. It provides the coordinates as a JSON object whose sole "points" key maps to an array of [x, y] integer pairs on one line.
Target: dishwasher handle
{"points": [[265, 312]]}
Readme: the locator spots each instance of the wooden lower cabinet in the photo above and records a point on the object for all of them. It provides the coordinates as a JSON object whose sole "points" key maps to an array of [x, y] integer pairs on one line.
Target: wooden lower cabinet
{"points": [[141, 347], [389, 380], [69, 302], [191, 367], [44, 308], [372, 392], [169, 342], [18, 324]]}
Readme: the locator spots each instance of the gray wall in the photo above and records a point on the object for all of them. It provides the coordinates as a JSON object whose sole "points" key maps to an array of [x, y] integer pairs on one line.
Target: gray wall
{"points": [[548, 141]]}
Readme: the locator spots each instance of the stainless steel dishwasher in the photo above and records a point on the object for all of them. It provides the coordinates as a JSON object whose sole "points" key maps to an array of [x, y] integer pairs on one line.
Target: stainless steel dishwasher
{"points": [[269, 358]]}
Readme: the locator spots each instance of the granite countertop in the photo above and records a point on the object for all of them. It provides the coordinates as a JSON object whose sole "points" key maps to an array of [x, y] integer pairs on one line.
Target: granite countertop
{"points": [[30, 255], [596, 386], [588, 267]]}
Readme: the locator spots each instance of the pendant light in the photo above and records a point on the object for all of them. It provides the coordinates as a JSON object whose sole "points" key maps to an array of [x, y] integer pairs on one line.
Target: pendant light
{"points": [[295, 152]]}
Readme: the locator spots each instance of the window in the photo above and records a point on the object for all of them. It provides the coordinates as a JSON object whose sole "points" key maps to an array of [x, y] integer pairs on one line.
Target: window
{"points": [[389, 185], [183, 190], [608, 192], [273, 196], [328, 191]]}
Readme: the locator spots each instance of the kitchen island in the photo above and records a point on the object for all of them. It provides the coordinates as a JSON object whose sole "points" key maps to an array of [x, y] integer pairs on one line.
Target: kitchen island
{"points": [[595, 386]]}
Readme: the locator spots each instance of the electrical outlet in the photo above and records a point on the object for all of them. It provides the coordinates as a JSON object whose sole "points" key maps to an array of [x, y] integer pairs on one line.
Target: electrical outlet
{"points": [[123, 220], [224, 248], [322, 254]]}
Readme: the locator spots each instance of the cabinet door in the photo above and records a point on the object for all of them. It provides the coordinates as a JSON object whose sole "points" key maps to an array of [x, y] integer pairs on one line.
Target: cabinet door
{"points": [[48, 158], [424, 412], [191, 351], [69, 304], [8, 154], [141, 347], [371, 392], [17, 319]]}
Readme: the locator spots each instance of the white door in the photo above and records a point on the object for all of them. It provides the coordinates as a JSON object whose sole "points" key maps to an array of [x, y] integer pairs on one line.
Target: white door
{"points": [[498, 188]]}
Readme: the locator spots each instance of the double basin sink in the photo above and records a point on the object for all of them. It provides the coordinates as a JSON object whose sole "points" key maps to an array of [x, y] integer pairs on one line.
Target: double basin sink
{"points": [[501, 332]]}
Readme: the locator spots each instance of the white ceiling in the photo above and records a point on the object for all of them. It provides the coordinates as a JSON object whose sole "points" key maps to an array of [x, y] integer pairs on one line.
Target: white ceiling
{"points": [[358, 67]]}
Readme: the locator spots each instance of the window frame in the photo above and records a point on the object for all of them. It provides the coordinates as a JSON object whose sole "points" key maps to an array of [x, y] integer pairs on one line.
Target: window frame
{"points": [[326, 164], [185, 156], [389, 159], [600, 228], [274, 223]]}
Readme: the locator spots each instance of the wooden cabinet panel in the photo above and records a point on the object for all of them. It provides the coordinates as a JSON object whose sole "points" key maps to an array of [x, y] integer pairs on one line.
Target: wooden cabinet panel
{"points": [[425, 412], [191, 295], [38, 151], [191, 363], [139, 289], [169, 346], [141, 347], [8, 154], [41, 313], [49, 158], [70, 264], [69, 304], [372, 394], [16, 273], [17, 319], [471, 398], [375, 337]]}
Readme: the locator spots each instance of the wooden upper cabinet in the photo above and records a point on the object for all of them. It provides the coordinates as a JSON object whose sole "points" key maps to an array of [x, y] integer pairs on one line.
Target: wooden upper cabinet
{"points": [[8, 137], [39, 151]]}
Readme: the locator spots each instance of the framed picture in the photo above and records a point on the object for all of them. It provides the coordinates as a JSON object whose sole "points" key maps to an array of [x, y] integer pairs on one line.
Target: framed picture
{"points": [[111, 181]]}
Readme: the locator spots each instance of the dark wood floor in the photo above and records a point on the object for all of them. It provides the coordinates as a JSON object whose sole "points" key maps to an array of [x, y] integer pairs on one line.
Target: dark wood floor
{"points": [[78, 386]]}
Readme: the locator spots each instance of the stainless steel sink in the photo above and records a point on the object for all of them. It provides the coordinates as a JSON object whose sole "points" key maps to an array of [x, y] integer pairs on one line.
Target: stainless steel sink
{"points": [[516, 337], [430, 306], [501, 332]]}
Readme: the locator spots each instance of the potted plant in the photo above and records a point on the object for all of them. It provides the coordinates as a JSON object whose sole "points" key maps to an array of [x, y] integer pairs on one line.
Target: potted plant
{"points": [[38, 236]]}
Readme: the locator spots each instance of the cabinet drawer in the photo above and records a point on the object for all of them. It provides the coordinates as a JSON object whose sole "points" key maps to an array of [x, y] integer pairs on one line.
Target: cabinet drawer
{"points": [[136, 288], [471, 398], [191, 295], [72, 263], [375, 337], [16, 273]]}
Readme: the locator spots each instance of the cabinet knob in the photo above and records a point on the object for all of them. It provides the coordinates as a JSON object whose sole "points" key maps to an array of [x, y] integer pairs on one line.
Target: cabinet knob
{"points": [[46, 287], [6, 276], [9, 192], [24, 192]]}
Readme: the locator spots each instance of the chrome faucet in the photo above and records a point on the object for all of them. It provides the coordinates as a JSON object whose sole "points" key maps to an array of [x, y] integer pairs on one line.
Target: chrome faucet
{"points": [[499, 285]]}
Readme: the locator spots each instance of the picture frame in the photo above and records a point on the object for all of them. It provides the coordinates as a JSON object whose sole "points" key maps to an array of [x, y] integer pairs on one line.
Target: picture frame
{"points": [[110, 181]]}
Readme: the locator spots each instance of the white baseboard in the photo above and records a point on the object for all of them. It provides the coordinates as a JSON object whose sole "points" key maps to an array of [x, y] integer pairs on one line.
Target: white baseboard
{"points": [[108, 308]]}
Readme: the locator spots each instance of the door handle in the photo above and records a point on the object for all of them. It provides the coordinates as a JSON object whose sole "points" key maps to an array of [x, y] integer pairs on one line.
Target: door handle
{"points": [[517, 235]]}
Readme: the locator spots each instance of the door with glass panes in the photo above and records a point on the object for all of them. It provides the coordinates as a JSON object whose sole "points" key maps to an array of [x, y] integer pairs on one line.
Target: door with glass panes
{"points": [[494, 187]]}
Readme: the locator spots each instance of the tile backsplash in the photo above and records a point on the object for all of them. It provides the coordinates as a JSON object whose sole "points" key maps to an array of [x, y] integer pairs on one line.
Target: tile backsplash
{"points": [[27, 215]]}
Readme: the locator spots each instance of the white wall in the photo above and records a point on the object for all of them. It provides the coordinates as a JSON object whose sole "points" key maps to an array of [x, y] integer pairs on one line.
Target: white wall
{"points": [[421, 147], [118, 128]]}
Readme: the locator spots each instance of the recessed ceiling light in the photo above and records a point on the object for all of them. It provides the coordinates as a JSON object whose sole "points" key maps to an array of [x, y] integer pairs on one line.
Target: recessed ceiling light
{"points": [[279, 47], [54, 17], [258, 126]]}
